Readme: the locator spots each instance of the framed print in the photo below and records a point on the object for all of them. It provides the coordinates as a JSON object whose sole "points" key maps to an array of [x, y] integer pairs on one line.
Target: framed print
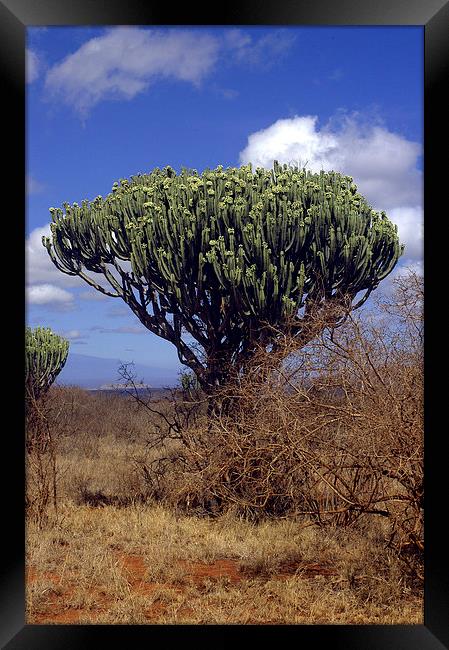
{"points": [[231, 409]]}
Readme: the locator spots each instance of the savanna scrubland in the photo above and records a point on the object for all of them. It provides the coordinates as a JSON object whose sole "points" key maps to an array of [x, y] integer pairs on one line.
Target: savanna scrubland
{"points": [[297, 498]]}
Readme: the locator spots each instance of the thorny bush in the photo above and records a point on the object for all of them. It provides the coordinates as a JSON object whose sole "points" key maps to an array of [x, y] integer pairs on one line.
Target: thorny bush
{"points": [[333, 433]]}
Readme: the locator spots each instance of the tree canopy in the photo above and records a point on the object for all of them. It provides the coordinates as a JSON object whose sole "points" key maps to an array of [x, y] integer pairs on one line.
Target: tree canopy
{"points": [[221, 262], [45, 357]]}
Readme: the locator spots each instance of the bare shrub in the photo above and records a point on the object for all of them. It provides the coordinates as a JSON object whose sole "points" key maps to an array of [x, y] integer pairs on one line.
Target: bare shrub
{"points": [[334, 433], [67, 421], [98, 438], [40, 461]]}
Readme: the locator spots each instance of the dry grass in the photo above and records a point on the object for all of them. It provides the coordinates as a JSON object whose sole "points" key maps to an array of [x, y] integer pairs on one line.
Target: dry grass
{"points": [[111, 555], [142, 564], [300, 506]]}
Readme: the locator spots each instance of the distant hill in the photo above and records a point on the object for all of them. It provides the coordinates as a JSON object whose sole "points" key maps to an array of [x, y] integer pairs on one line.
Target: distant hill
{"points": [[119, 386], [96, 372]]}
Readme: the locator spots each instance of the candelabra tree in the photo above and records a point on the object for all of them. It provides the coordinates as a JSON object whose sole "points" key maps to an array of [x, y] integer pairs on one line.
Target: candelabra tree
{"points": [[223, 262], [45, 357]]}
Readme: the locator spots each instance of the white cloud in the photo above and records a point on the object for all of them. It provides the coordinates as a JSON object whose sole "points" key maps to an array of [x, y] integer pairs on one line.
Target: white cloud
{"points": [[387, 287], [125, 60], [92, 295], [39, 269], [33, 186], [403, 270], [38, 266], [237, 40], [74, 336], [43, 294], [410, 222], [291, 140], [126, 329], [32, 66], [382, 163], [265, 51]]}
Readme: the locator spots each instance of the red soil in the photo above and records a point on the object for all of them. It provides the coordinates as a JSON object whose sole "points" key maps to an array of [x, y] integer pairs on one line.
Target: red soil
{"points": [[54, 611], [57, 608], [198, 572]]}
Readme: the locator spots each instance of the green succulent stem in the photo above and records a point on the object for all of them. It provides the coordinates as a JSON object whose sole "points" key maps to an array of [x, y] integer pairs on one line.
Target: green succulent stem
{"points": [[228, 257], [45, 357]]}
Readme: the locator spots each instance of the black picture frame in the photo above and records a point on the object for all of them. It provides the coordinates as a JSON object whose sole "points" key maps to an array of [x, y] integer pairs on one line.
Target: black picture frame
{"points": [[433, 16]]}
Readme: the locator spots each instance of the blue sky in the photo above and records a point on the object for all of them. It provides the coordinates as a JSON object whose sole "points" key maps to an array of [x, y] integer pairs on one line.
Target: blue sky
{"points": [[107, 103]]}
